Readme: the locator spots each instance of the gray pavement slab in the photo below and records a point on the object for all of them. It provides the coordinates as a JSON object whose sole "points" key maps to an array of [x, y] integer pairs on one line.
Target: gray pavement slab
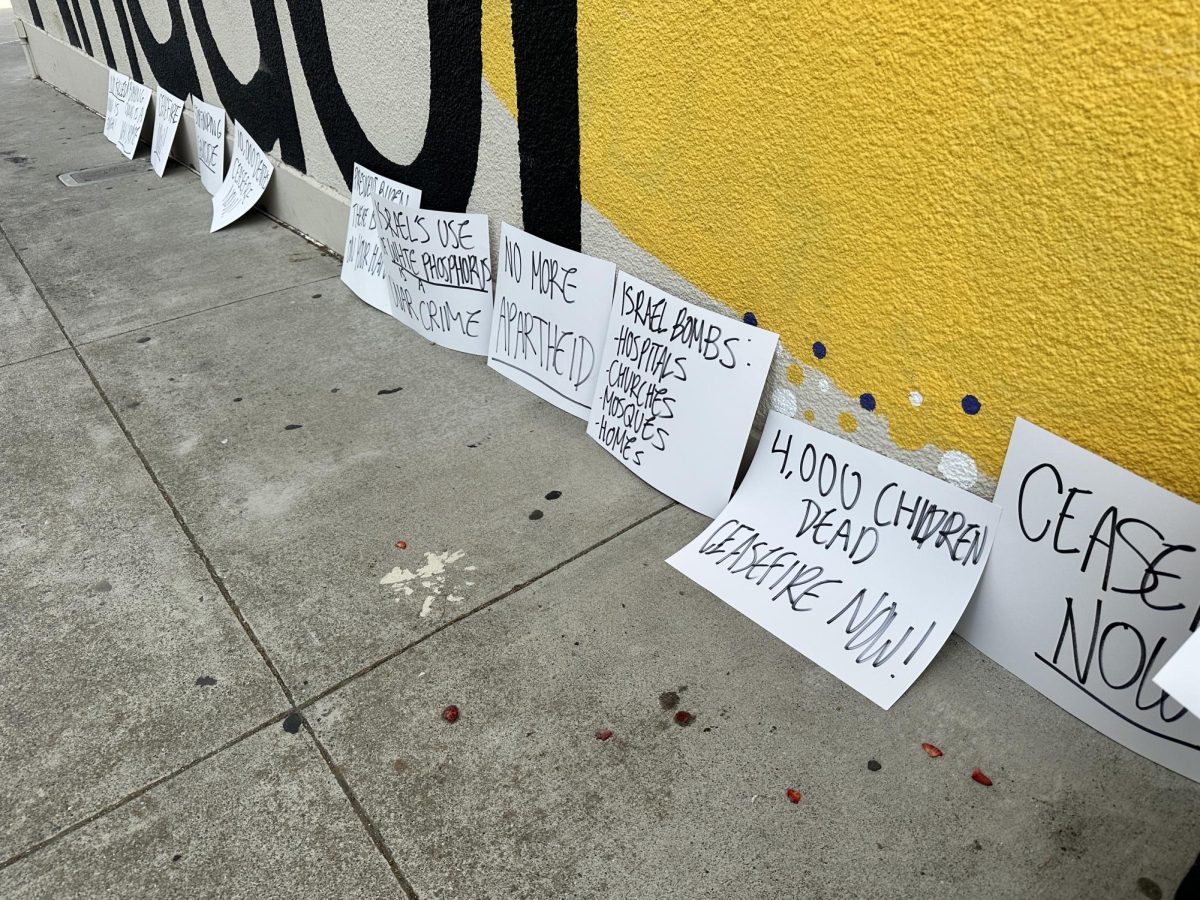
{"points": [[26, 327], [127, 252], [107, 618], [265, 819], [397, 440], [519, 798]]}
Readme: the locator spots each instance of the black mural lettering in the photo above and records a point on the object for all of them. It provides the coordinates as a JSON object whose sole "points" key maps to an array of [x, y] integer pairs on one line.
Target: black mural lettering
{"points": [[102, 29], [83, 32], [444, 169], [68, 22], [171, 60], [135, 68], [546, 52], [264, 105], [37, 14]]}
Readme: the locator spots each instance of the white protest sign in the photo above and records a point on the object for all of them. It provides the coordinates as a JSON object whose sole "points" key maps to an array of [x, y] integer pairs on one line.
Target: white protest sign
{"points": [[129, 114], [249, 172], [210, 143], [439, 273], [118, 90], [552, 312], [1180, 677], [1092, 586], [677, 391], [167, 110], [859, 562], [362, 263]]}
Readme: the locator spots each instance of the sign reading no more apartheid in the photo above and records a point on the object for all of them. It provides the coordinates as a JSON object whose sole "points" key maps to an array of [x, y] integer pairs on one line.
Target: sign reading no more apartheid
{"points": [[551, 317], [859, 562], [1093, 587], [439, 273]]}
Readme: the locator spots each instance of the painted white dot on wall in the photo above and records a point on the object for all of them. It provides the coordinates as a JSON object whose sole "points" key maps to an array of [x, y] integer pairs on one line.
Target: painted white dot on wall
{"points": [[823, 385], [783, 401], [915, 398], [958, 468]]}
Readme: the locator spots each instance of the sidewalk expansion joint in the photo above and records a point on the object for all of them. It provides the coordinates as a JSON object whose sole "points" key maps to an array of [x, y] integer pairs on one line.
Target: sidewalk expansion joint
{"points": [[248, 630]]}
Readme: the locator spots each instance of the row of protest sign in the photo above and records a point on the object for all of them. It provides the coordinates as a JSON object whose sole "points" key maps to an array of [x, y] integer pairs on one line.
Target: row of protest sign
{"points": [[1079, 577], [234, 193]]}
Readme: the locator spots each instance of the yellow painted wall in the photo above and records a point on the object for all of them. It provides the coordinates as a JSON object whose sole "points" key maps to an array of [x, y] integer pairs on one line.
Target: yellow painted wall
{"points": [[993, 199]]}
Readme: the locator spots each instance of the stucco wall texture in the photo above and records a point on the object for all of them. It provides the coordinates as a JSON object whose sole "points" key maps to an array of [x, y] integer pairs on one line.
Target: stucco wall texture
{"points": [[953, 213]]}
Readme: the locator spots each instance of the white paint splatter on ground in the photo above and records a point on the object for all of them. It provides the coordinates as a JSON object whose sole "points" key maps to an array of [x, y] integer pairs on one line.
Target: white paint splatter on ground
{"points": [[432, 577]]}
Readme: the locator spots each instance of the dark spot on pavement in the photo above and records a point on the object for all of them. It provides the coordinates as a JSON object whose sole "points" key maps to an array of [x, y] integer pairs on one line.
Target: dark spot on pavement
{"points": [[177, 857], [335, 390], [399, 766], [101, 587], [384, 391], [472, 446], [133, 404], [1149, 888], [316, 296], [143, 340], [975, 845], [292, 723], [536, 514], [668, 699], [205, 681], [554, 495], [292, 427], [237, 399], [874, 765]]}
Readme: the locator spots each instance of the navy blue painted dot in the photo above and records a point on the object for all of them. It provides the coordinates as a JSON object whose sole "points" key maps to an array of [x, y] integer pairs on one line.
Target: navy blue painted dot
{"points": [[750, 319], [819, 350], [971, 404], [867, 402]]}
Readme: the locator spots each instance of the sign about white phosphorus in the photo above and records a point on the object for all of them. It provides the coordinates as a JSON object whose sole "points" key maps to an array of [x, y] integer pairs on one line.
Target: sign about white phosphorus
{"points": [[551, 317], [362, 264], [677, 391], [118, 90], [859, 562], [210, 143], [167, 111], [125, 112], [249, 171], [1093, 586], [439, 273]]}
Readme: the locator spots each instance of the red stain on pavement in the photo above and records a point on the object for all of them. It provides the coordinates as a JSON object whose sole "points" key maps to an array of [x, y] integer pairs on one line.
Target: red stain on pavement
{"points": [[931, 750], [977, 775], [604, 735], [793, 795], [450, 714]]}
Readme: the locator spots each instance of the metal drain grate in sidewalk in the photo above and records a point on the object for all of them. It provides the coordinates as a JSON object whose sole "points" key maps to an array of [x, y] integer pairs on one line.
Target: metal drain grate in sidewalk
{"points": [[104, 173]]}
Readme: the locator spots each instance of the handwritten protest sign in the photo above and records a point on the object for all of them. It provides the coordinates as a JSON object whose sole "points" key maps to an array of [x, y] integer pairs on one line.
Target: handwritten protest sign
{"points": [[677, 391], [1180, 677], [859, 562], [1093, 585], [118, 90], [248, 175], [167, 110], [551, 317], [439, 273], [210, 143], [125, 112], [362, 263]]}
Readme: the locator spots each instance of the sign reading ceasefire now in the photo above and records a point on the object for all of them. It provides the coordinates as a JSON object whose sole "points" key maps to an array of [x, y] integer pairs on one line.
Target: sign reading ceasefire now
{"points": [[1093, 587]]}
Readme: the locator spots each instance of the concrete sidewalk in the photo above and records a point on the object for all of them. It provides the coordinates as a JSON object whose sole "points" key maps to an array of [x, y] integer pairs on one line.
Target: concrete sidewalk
{"points": [[219, 676]]}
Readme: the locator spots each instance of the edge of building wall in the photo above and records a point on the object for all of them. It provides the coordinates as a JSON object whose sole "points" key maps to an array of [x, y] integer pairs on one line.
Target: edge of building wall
{"points": [[295, 199]]}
